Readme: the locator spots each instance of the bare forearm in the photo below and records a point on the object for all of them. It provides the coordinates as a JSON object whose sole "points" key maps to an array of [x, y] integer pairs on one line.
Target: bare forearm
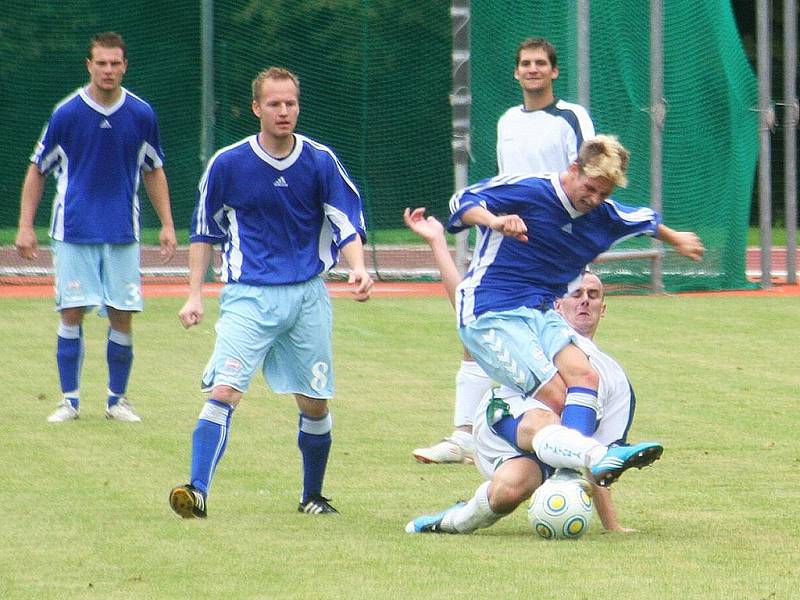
{"points": [[353, 253], [447, 267], [687, 243], [605, 508], [199, 260], [32, 190], [477, 215], [155, 182]]}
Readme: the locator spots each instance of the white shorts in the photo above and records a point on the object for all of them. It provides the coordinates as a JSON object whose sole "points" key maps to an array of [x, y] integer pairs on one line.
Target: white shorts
{"points": [[97, 275], [491, 450], [284, 330]]}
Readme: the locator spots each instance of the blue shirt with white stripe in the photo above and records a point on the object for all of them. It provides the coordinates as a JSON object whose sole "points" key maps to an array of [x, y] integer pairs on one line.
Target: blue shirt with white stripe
{"points": [[96, 154], [506, 273], [280, 221]]}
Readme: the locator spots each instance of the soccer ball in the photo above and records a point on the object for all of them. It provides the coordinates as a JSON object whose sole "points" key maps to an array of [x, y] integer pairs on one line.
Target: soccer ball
{"points": [[560, 508]]}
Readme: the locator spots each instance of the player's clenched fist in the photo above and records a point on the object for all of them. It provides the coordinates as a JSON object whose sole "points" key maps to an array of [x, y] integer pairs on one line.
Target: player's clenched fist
{"points": [[191, 313]]}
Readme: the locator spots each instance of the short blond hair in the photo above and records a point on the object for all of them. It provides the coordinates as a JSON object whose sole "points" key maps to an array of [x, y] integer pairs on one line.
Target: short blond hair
{"points": [[273, 73], [604, 156]]}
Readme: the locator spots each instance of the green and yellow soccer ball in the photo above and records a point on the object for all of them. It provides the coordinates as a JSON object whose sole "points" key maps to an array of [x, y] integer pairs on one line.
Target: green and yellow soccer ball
{"points": [[561, 508]]}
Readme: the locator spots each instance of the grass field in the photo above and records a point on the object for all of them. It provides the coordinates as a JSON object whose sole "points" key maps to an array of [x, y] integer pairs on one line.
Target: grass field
{"points": [[85, 512]]}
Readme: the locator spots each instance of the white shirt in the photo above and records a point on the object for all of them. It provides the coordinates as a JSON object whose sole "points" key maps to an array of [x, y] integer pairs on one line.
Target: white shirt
{"points": [[541, 141]]}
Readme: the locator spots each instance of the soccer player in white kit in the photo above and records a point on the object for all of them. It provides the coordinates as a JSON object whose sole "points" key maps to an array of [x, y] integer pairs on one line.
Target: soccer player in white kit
{"points": [[283, 207], [541, 135], [99, 143]]}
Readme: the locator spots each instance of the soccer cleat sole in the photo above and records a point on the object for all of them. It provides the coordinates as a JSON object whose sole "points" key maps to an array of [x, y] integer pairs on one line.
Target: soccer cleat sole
{"points": [[182, 502], [466, 460], [640, 460]]}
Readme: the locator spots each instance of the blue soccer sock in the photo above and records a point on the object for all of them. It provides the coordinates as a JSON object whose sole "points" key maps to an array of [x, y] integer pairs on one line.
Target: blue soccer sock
{"points": [[314, 440], [69, 358], [119, 355], [580, 410], [209, 440]]}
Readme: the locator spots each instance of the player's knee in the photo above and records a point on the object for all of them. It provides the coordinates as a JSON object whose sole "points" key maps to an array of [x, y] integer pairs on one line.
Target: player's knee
{"points": [[553, 393], [574, 368], [532, 422], [506, 496], [73, 316], [315, 408], [226, 394]]}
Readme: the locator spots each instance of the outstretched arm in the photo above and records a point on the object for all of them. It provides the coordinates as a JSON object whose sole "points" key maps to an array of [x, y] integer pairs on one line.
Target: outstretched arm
{"points": [[432, 231], [687, 243], [606, 510]]}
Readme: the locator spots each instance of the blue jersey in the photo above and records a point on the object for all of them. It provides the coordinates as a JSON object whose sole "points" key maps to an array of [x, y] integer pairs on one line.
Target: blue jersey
{"points": [[280, 221], [96, 154], [505, 273]]}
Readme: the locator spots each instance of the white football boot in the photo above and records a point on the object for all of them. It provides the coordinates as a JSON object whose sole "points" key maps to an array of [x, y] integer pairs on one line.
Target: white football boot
{"points": [[122, 411], [446, 451], [64, 412]]}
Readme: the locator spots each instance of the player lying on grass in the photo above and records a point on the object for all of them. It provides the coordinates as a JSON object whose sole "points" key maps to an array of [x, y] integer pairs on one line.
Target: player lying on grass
{"points": [[505, 455]]}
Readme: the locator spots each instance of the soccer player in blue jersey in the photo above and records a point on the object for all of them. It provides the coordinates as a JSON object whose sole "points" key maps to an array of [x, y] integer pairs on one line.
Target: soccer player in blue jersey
{"points": [[539, 233], [510, 482], [283, 207], [100, 141], [541, 135]]}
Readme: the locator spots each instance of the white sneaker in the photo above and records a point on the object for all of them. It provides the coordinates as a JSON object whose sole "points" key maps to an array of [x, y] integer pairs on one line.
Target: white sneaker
{"points": [[446, 451], [122, 411], [64, 412]]}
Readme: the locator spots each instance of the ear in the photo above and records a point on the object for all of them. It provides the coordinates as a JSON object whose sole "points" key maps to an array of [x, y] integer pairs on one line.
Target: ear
{"points": [[555, 72], [256, 108]]}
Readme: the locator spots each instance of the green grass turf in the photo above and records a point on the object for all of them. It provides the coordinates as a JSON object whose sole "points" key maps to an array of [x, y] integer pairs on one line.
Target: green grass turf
{"points": [[85, 511]]}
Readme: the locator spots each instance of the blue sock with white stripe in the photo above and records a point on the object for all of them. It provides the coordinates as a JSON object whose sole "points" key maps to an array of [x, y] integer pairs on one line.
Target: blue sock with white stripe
{"points": [[314, 441], [580, 410], [69, 358], [209, 440], [119, 355]]}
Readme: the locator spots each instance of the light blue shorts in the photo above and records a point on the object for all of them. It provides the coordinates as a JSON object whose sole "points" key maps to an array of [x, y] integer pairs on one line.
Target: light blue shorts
{"points": [[285, 330], [516, 347], [97, 275]]}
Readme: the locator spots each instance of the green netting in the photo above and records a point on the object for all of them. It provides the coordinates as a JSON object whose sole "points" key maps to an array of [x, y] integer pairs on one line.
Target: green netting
{"points": [[375, 82], [376, 76], [710, 141]]}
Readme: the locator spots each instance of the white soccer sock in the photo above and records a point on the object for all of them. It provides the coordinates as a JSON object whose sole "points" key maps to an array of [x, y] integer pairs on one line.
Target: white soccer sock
{"points": [[560, 446], [472, 383], [463, 439], [475, 514]]}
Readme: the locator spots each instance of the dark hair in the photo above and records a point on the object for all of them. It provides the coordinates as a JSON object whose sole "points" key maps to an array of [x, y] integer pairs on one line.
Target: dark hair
{"points": [[107, 39], [537, 43]]}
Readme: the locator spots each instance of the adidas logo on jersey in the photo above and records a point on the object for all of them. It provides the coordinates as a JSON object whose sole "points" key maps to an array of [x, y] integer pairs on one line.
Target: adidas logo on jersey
{"points": [[567, 228], [104, 124], [280, 182]]}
